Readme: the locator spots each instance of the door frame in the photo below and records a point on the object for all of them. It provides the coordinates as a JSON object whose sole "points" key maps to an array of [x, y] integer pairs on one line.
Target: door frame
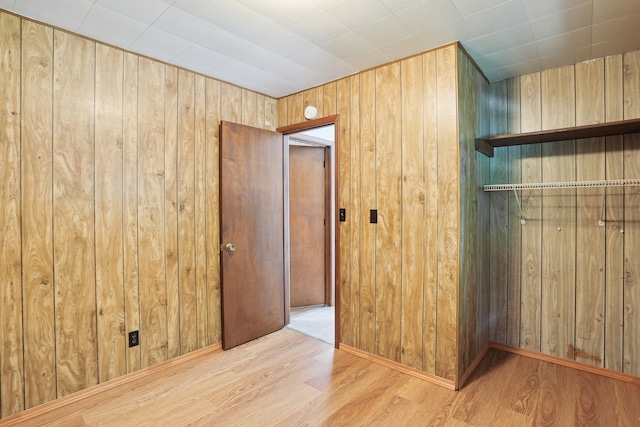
{"points": [[333, 165]]}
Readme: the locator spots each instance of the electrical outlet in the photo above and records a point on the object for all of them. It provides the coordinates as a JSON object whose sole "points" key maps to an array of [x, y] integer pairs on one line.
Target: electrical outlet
{"points": [[134, 339]]}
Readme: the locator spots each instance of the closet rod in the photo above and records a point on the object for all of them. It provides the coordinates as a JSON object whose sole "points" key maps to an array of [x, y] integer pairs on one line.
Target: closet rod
{"points": [[571, 184]]}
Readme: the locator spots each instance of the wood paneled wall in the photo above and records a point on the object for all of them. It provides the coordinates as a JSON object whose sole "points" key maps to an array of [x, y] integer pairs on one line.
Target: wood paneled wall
{"points": [[473, 300], [399, 154], [109, 210], [561, 284]]}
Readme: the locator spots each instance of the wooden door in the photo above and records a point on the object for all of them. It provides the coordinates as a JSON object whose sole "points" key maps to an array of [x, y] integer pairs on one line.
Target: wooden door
{"points": [[252, 233], [307, 227]]}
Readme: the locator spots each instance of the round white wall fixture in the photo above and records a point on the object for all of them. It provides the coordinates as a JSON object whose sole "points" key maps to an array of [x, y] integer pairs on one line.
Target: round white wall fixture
{"points": [[310, 112]]}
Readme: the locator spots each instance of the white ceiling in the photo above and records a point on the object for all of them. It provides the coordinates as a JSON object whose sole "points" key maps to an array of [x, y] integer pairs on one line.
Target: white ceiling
{"points": [[278, 47]]}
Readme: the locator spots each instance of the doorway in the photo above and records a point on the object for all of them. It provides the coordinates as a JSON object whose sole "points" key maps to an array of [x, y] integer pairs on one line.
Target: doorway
{"points": [[310, 225]]}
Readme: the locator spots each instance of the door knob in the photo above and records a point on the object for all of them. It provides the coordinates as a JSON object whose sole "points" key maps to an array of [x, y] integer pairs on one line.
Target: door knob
{"points": [[230, 247]]}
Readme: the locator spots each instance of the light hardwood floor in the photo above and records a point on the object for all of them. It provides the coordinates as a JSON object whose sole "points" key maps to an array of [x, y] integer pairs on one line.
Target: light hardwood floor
{"points": [[288, 379]]}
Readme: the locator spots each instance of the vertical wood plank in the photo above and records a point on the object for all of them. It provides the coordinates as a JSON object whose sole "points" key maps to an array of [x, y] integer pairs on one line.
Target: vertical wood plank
{"points": [[186, 210], [261, 111], [531, 279], [151, 247], [389, 227], [214, 324], [37, 215], [412, 212], [230, 103], [514, 272], [468, 202], [108, 210], [249, 108], [355, 217], [171, 210], [308, 98], [130, 205], [590, 238], [272, 113], [11, 332], [631, 82], [368, 201], [295, 108], [319, 100], [631, 307], [481, 220], [283, 112], [330, 92], [559, 217], [73, 212], [200, 210], [499, 220], [344, 202], [614, 213], [448, 215], [430, 231]]}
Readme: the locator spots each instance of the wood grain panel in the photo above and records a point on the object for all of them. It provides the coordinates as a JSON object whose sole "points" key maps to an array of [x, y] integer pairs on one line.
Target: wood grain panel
{"points": [[171, 210], [389, 228], [514, 272], [481, 220], [344, 202], [73, 213], [11, 333], [308, 98], [200, 208], [590, 238], [230, 103], [468, 285], [130, 205], [151, 193], [249, 108], [37, 216], [331, 94], [531, 272], [499, 219], [214, 320], [108, 212], [448, 215], [631, 364], [186, 210], [631, 82], [631, 67], [283, 118], [355, 217], [412, 212], [559, 217], [368, 201], [271, 113], [295, 108], [319, 100], [260, 111], [614, 214], [430, 231]]}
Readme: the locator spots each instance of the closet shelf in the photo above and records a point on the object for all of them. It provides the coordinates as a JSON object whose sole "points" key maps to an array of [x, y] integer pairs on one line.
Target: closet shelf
{"points": [[559, 185], [486, 145]]}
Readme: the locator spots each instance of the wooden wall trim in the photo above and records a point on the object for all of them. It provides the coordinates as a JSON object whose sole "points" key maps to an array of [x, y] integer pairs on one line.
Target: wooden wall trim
{"points": [[398, 367], [37, 411], [568, 363]]}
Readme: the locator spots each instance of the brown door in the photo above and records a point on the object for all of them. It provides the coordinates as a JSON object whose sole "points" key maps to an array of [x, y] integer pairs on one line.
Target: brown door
{"points": [[252, 233], [307, 232]]}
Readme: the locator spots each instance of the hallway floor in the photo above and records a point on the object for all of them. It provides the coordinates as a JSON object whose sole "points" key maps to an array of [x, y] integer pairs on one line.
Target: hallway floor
{"points": [[315, 322]]}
